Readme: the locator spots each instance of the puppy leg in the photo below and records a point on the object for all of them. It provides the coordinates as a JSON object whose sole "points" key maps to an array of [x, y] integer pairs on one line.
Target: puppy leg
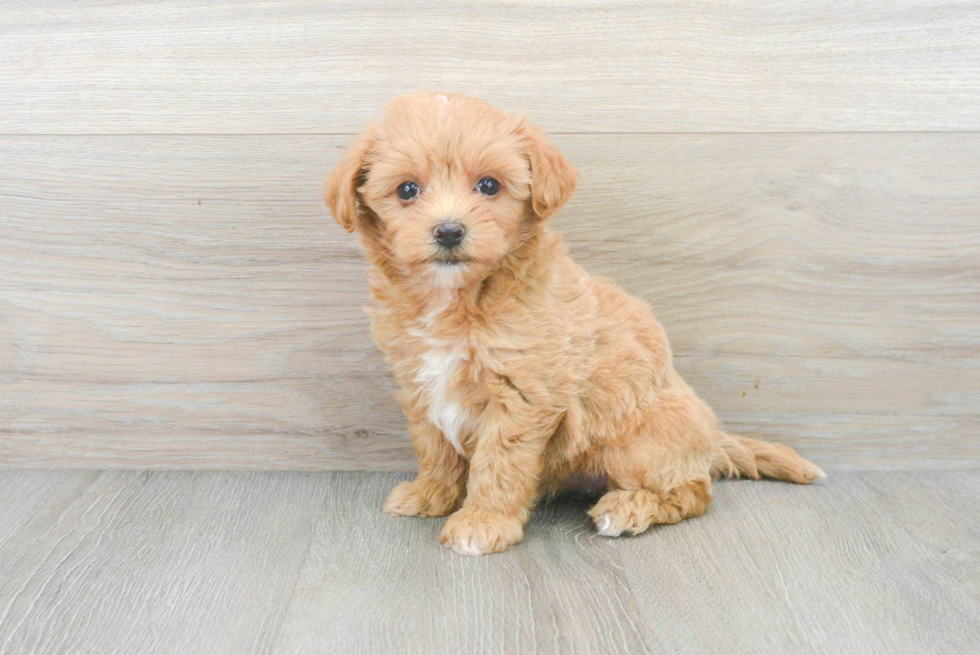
{"points": [[441, 479], [660, 472], [633, 511], [502, 484]]}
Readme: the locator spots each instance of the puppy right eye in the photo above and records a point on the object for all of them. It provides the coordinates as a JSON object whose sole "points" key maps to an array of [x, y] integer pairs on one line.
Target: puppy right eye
{"points": [[408, 190]]}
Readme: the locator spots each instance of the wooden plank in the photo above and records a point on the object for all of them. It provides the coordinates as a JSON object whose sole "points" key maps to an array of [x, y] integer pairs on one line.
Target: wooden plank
{"points": [[188, 302], [158, 563], [378, 584], [314, 67], [780, 568], [941, 511], [191, 562], [23, 493]]}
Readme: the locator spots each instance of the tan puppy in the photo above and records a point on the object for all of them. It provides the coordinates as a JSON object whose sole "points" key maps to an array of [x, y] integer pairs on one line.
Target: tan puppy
{"points": [[518, 371]]}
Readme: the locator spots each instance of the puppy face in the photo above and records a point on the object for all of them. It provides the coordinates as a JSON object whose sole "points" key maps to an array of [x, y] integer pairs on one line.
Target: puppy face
{"points": [[447, 186]]}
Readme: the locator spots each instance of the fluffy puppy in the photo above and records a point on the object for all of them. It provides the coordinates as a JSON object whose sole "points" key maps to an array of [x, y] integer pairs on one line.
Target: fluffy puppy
{"points": [[518, 371]]}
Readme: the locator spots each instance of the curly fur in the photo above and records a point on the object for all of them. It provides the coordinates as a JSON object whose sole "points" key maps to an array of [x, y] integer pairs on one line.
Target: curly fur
{"points": [[518, 371]]}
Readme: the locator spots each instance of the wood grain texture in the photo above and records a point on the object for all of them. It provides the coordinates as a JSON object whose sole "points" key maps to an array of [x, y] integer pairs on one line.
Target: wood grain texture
{"points": [[173, 301], [325, 67], [23, 493], [379, 584], [297, 563], [156, 563], [781, 568], [941, 511]]}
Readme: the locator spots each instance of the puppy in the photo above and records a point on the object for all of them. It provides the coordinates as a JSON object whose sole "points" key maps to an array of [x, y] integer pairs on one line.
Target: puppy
{"points": [[518, 371]]}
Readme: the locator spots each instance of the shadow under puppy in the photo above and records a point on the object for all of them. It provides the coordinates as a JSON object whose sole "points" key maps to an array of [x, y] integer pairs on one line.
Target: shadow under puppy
{"points": [[518, 371]]}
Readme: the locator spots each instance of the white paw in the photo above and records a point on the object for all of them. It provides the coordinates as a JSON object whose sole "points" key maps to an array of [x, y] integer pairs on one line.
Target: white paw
{"points": [[468, 547], [605, 525], [471, 532]]}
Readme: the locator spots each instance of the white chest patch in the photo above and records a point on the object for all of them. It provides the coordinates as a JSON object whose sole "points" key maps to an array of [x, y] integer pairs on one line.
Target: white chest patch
{"points": [[439, 365]]}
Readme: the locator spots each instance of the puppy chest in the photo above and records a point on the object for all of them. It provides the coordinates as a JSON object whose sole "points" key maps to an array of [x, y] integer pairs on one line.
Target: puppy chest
{"points": [[439, 382]]}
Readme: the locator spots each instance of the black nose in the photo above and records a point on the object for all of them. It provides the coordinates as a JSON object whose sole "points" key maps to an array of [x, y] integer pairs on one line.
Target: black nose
{"points": [[449, 235]]}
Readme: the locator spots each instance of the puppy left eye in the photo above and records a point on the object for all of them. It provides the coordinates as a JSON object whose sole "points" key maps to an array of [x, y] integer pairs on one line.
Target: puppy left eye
{"points": [[488, 186], [408, 190]]}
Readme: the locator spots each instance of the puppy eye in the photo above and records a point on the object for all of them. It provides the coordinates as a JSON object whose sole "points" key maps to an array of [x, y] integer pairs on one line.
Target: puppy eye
{"points": [[408, 190], [488, 186]]}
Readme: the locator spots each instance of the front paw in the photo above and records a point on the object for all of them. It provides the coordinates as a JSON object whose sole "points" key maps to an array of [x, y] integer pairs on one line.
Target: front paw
{"points": [[420, 498], [470, 532]]}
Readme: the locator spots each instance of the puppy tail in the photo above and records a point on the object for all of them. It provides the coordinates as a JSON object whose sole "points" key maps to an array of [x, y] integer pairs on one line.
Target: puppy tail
{"points": [[751, 458]]}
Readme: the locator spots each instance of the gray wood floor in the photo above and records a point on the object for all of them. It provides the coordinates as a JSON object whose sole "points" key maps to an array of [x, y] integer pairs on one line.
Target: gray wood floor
{"points": [[292, 562]]}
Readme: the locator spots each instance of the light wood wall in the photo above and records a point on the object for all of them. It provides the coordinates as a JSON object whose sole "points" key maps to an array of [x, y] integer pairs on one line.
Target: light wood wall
{"points": [[794, 187]]}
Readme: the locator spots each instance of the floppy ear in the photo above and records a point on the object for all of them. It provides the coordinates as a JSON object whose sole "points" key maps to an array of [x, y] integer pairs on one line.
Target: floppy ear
{"points": [[553, 178], [340, 187]]}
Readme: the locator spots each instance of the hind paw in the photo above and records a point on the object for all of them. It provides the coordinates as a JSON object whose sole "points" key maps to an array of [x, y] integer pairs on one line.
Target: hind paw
{"points": [[620, 512], [632, 512]]}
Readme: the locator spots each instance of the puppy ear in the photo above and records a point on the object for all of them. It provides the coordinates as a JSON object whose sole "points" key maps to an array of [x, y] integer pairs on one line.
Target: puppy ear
{"points": [[340, 187], [553, 178]]}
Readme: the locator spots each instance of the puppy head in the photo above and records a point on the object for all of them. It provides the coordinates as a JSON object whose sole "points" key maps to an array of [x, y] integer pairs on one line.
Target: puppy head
{"points": [[448, 185]]}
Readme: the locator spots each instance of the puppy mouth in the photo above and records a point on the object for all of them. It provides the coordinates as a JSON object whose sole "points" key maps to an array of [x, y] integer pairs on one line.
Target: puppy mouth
{"points": [[450, 261]]}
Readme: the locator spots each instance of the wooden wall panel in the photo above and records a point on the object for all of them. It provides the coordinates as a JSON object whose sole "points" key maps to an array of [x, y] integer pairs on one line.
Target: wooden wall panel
{"points": [[326, 67], [186, 301]]}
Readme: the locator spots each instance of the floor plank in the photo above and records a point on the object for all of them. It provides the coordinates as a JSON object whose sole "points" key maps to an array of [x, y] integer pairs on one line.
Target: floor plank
{"points": [[306, 563], [187, 301], [300, 66], [24, 492], [941, 511], [157, 563], [781, 568], [376, 584]]}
